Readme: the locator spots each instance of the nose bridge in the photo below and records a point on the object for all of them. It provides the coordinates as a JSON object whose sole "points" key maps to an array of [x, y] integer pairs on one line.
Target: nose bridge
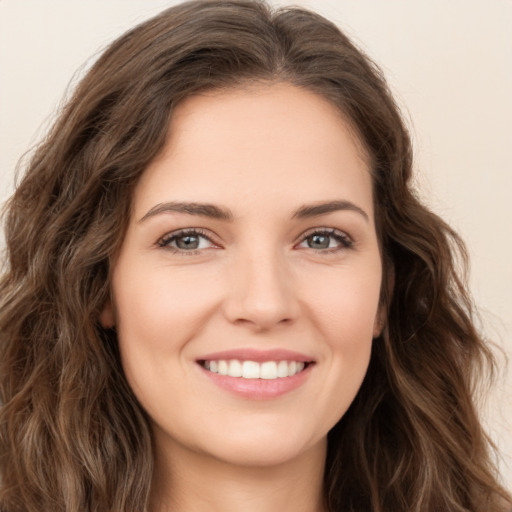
{"points": [[261, 291]]}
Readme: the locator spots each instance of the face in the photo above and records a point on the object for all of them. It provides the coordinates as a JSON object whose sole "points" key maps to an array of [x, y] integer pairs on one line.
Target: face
{"points": [[246, 291]]}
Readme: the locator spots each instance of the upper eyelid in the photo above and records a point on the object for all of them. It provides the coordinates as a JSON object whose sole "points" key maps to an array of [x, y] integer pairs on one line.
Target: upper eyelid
{"points": [[325, 230], [186, 231]]}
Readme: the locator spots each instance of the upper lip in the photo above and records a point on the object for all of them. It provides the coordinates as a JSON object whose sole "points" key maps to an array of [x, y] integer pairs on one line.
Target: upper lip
{"points": [[249, 354]]}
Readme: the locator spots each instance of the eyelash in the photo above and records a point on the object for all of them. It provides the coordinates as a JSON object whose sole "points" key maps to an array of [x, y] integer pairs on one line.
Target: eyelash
{"points": [[166, 240], [342, 238]]}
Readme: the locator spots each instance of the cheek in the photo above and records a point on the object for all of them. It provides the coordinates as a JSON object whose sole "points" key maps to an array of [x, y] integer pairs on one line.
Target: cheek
{"points": [[161, 306], [157, 312], [345, 306], [156, 318], [345, 310]]}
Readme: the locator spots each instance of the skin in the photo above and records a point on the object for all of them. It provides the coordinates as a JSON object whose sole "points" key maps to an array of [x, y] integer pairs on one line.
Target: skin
{"points": [[256, 281]]}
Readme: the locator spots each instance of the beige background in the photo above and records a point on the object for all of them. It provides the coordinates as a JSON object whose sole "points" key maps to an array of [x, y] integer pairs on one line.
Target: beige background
{"points": [[449, 63]]}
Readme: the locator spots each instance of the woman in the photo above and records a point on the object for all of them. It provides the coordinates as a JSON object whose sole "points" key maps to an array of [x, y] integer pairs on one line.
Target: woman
{"points": [[223, 294]]}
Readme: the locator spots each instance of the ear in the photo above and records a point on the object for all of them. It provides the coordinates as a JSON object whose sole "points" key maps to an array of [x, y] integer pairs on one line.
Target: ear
{"points": [[107, 315], [378, 324], [388, 285]]}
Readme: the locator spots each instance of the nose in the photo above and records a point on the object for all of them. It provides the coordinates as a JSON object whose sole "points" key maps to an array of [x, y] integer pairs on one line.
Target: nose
{"points": [[261, 292]]}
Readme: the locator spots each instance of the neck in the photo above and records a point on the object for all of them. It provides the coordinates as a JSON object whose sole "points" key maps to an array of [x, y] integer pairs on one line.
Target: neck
{"points": [[191, 482]]}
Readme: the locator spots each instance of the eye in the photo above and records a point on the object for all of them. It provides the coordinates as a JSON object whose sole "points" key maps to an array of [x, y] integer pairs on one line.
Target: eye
{"points": [[326, 240], [187, 241]]}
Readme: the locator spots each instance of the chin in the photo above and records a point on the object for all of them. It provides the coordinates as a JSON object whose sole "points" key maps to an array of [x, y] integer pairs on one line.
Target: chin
{"points": [[264, 452]]}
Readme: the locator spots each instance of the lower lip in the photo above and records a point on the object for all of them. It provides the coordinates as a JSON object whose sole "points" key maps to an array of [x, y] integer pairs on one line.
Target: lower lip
{"points": [[259, 389]]}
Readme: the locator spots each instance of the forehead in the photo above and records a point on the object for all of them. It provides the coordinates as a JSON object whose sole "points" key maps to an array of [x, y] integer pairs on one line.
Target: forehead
{"points": [[272, 140]]}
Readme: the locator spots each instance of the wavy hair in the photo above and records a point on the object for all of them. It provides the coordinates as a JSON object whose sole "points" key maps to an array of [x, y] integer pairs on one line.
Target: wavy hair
{"points": [[73, 438]]}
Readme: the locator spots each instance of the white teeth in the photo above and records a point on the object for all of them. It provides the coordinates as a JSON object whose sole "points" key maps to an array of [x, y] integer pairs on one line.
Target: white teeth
{"points": [[235, 368], [267, 370], [282, 369], [250, 370], [223, 368]]}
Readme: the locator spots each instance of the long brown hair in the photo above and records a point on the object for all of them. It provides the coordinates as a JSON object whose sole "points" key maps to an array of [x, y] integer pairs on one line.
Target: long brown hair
{"points": [[72, 436]]}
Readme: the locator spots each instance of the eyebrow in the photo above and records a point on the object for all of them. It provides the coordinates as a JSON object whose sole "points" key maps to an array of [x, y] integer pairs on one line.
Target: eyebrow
{"points": [[202, 209], [315, 210], [216, 212]]}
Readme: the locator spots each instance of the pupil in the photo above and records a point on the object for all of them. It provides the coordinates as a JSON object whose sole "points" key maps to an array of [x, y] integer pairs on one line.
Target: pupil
{"points": [[319, 242], [188, 242]]}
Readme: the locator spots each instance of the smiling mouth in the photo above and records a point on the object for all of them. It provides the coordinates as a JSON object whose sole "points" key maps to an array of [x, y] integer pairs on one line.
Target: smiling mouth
{"points": [[267, 370]]}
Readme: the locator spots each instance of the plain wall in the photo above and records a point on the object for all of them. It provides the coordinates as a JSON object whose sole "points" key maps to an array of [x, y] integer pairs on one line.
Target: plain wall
{"points": [[448, 62]]}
